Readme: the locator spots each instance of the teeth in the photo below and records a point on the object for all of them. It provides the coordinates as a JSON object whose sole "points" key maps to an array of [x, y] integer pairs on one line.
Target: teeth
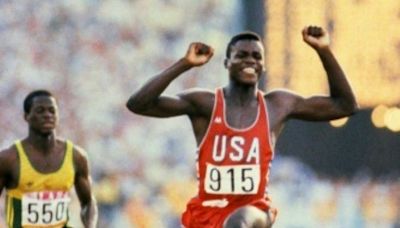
{"points": [[249, 70]]}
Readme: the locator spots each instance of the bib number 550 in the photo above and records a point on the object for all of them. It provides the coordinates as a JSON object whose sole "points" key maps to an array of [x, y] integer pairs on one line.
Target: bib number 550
{"points": [[40, 210], [45, 213]]}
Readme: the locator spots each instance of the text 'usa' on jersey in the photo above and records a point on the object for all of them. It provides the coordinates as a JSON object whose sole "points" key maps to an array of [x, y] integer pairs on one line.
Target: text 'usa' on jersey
{"points": [[233, 163]]}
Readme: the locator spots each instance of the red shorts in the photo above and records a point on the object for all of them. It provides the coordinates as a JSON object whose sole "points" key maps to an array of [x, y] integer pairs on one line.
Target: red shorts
{"points": [[198, 216]]}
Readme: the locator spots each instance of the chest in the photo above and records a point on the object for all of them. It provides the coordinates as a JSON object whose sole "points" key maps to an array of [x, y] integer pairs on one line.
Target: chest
{"points": [[37, 173], [46, 163], [241, 117]]}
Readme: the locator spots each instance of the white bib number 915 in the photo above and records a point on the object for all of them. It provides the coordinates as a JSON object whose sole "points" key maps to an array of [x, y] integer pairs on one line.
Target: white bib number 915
{"points": [[45, 208], [232, 179]]}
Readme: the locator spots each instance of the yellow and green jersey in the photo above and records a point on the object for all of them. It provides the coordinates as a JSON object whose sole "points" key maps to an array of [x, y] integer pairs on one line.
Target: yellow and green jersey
{"points": [[40, 200]]}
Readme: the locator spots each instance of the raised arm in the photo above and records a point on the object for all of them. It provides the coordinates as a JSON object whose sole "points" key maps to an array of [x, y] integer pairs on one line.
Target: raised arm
{"points": [[148, 99], [341, 101], [83, 189]]}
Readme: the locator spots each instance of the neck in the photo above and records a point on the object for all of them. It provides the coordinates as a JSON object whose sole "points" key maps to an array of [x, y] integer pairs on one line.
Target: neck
{"points": [[241, 94], [42, 142]]}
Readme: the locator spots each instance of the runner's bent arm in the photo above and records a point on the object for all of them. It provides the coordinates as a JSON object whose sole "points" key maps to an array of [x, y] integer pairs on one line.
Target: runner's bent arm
{"points": [[341, 101], [83, 189], [7, 161], [3, 172], [148, 99]]}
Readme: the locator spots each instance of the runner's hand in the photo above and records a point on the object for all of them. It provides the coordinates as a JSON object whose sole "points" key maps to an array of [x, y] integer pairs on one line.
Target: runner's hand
{"points": [[316, 37], [199, 54]]}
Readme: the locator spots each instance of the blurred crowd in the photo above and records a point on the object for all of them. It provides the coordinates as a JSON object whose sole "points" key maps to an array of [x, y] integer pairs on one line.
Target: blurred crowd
{"points": [[306, 199], [93, 54]]}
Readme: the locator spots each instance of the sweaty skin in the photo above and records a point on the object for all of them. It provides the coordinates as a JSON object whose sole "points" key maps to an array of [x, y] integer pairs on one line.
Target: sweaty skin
{"points": [[149, 100], [245, 65], [45, 152]]}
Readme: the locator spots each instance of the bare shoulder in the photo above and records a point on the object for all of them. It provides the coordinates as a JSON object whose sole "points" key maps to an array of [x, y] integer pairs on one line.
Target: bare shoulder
{"points": [[281, 97], [197, 94], [203, 99], [281, 103], [79, 153], [9, 154], [79, 158], [278, 94], [8, 157]]}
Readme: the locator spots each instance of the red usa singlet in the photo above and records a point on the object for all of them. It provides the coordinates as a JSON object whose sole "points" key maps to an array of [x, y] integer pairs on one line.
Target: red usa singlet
{"points": [[232, 165]]}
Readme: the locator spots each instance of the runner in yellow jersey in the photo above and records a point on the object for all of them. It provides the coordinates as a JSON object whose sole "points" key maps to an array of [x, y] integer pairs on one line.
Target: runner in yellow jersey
{"points": [[40, 171]]}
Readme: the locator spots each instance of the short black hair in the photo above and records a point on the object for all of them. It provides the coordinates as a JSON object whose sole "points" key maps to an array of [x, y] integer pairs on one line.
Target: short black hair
{"points": [[29, 98], [247, 35]]}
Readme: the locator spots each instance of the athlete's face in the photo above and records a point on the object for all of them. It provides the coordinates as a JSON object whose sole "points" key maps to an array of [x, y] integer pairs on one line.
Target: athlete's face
{"points": [[246, 62], [43, 116]]}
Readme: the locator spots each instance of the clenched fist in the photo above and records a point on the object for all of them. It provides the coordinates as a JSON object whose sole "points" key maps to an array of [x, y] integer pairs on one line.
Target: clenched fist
{"points": [[199, 54], [316, 37]]}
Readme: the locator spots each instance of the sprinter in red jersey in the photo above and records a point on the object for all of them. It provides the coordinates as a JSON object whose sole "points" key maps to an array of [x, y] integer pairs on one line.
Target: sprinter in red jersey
{"points": [[236, 126]]}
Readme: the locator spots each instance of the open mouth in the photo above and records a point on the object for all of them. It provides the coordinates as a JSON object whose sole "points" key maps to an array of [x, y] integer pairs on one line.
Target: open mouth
{"points": [[249, 70]]}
